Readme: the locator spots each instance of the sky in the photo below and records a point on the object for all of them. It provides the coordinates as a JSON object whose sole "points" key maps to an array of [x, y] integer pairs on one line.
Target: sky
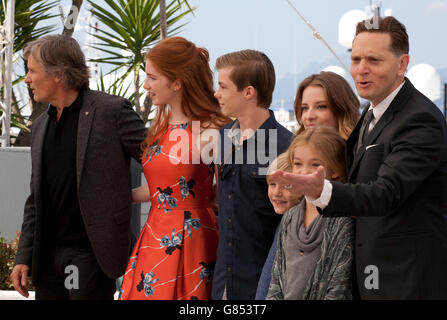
{"points": [[273, 27]]}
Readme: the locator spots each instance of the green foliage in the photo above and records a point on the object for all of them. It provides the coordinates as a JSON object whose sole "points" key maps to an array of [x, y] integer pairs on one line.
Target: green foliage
{"points": [[16, 121], [8, 252], [117, 87], [28, 13], [131, 27]]}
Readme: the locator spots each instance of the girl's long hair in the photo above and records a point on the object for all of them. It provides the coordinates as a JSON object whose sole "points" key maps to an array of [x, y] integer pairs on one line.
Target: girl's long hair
{"points": [[180, 59], [342, 100], [327, 143]]}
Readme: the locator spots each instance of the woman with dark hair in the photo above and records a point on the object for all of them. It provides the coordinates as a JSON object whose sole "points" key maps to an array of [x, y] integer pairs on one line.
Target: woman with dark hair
{"points": [[175, 254]]}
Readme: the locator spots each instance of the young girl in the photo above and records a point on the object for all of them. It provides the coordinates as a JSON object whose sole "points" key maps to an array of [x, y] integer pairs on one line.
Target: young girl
{"points": [[314, 254], [282, 200], [175, 254]]}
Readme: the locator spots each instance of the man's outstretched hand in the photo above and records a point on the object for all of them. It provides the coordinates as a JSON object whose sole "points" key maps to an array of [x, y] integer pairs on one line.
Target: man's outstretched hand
{"points": [[310, 185]]}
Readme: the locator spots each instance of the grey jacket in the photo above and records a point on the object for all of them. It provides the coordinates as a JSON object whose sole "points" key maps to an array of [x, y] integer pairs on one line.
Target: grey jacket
{"points": [[109, 133], [331, 279]]}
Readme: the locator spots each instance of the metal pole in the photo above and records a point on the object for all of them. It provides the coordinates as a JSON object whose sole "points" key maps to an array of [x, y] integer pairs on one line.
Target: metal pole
{"points": [[317, 35], [5, 138]]}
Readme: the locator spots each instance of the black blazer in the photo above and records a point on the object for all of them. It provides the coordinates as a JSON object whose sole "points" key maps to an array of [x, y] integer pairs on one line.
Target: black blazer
{"points": [[398, 192], [109, 133]]}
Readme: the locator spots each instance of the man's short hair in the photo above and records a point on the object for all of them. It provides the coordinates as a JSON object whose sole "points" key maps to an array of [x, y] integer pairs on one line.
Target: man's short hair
{"points": [[61, 56], [390, 25], [251, 68]]}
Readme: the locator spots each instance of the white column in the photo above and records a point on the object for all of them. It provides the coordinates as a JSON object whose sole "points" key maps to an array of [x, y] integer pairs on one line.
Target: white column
{"points": [[7, 52]]}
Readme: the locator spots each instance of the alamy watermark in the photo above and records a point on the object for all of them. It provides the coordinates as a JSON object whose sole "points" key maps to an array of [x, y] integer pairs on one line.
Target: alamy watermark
{"points": [[72, 280], [373, 23], [372, 280], [210, 147], [70, 21]]}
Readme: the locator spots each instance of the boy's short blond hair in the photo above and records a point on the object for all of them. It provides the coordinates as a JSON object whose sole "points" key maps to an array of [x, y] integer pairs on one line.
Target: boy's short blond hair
{"points": [[281, 163]]}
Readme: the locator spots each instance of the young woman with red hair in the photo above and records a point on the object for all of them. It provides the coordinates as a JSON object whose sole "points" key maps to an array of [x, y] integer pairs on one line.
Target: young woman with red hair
{"points": [[175, 254]]}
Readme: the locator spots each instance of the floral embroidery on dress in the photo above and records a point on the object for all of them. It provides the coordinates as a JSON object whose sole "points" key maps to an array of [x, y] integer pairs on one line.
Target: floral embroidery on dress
{"points": [[190, 222], [121, 291], [186, 187], [182, 126], [172, 243], [154, 149], [165, 198], [146, 282], [207, 271]]}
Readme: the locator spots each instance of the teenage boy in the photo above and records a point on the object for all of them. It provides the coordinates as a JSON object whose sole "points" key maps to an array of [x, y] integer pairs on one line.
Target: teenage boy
{"points": [[247, 221]]}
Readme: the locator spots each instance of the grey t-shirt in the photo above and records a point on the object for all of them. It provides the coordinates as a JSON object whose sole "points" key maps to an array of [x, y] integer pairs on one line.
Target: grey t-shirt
{"points": [[302, 249]]}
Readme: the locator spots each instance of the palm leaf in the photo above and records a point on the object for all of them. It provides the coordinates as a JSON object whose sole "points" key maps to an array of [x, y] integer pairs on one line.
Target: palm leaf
{"points": [[28, 14], [133, 26]]}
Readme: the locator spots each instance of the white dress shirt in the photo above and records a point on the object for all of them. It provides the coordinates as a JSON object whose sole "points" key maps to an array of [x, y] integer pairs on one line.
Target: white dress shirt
{"points": [[378, 112]]}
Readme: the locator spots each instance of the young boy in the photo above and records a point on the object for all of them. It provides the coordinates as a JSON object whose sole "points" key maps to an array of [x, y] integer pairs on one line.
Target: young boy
{"points": [[247, 221]]}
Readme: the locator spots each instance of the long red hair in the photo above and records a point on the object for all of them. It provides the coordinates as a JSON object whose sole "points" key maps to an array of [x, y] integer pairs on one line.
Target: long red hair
{"points": [[178, 58]]}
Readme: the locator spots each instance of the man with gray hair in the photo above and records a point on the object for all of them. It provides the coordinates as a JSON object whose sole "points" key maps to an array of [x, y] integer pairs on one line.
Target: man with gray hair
{"points": [[75, 232]]}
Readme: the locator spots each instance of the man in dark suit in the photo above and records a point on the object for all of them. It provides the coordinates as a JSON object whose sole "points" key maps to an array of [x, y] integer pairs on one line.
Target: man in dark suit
{"points": [[75, 232], [397, 165]]}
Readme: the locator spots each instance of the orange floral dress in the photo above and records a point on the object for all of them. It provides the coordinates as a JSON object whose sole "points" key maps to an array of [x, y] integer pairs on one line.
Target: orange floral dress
{"points": [[175, 254]]}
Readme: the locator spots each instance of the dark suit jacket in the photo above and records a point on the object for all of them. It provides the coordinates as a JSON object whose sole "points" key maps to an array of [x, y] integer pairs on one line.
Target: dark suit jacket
{"points": [[109, 133], [398, 192]]}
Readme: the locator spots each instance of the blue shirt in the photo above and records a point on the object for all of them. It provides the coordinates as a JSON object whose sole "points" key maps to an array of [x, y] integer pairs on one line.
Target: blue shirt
{"points": [[246, 218]]}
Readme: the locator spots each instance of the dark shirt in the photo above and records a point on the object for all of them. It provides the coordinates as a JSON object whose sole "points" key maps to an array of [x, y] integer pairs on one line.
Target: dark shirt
{"points": [[62, 219], [247, 220], [266, 275]]}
